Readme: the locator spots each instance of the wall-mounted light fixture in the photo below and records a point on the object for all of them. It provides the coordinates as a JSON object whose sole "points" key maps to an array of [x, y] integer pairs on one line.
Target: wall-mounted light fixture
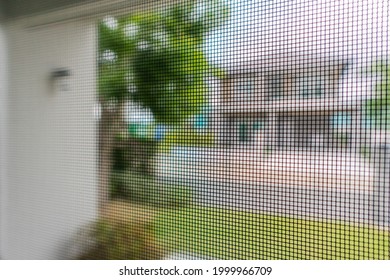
{"points": [[59, 78]]}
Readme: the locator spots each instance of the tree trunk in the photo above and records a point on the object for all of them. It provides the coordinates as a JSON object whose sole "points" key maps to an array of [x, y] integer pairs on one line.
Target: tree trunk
{"points": [[111, 122]]}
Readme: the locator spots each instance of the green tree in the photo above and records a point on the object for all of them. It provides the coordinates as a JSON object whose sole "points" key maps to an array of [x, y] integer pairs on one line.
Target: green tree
{"points": [[154, 58], [378, 108]]}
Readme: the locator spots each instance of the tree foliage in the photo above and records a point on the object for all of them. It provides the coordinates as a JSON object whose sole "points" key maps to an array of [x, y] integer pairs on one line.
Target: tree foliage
{"points": [[156, 58]]}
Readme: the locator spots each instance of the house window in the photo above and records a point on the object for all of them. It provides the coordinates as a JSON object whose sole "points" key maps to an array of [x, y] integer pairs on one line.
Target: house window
{"points": [[274, 86], [244, 86], [342, 120], [248, 129], [343, 128], [244, 132], [310, 86]]}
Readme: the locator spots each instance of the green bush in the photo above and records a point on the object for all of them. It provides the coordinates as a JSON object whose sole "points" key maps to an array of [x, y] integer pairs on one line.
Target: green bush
{"points": [[123, 232], [147, 190], [134, 154]]}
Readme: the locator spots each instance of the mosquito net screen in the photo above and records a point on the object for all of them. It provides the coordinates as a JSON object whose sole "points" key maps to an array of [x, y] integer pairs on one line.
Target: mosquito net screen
{"points": [[204, 129]]}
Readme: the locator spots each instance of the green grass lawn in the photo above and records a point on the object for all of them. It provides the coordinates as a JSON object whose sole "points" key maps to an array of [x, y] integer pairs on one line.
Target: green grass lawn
{"points": [[227, 234]]}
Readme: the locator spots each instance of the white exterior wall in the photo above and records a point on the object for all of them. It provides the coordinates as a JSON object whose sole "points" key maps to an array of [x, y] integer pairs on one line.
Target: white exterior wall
{"points": [[51, 177], [3, 131]]}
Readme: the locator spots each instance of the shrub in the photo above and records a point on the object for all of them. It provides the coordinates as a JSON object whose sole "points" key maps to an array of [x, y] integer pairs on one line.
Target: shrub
{"points": [[144, 189], [134, 154], [133, 186], [123, 232]]}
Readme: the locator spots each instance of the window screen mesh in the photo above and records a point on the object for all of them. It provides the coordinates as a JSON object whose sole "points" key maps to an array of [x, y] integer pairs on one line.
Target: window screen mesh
{"points": [[224, 130]]}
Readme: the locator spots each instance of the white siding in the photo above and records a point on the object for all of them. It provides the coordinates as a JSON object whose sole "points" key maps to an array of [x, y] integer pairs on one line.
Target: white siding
{"points": [[3, 133], [51, 162]]}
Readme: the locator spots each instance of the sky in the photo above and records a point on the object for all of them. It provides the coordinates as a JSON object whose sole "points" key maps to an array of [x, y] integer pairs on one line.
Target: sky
{"points": [[356, 29]]}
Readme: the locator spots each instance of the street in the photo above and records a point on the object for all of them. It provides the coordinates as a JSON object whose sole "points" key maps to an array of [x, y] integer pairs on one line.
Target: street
{"points": [[316, 186]]}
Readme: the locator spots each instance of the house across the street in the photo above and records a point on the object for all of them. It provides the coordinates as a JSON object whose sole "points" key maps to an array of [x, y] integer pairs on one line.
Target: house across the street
{"points": [[291, 102]]}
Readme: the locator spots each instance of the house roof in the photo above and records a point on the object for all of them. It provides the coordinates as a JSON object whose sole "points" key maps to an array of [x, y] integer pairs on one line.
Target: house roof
{"points": [[286, 62], [292, 106]]}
